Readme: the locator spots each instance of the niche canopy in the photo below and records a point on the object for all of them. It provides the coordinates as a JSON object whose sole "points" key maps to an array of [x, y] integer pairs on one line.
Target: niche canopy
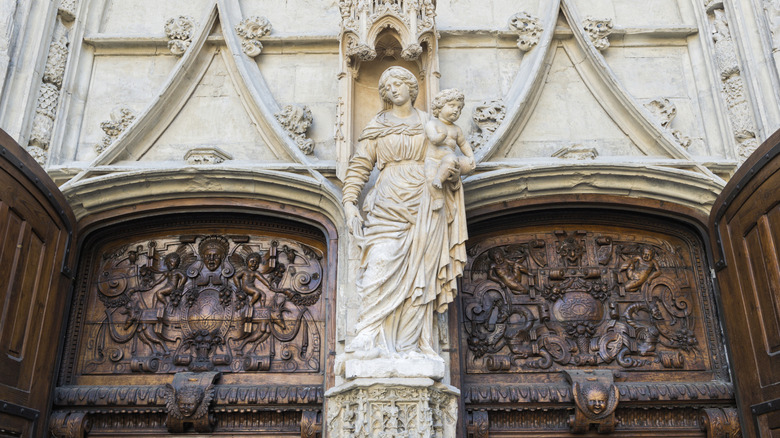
{"points": [[400, 32]]}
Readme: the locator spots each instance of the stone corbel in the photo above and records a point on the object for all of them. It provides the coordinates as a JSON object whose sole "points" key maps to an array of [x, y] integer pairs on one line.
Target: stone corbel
{"points": [[69, 424], [296, 120], [598, 30], [720, 422], [251, 30], [528, 29], [595, 397], [179, 31], [188, 401]]}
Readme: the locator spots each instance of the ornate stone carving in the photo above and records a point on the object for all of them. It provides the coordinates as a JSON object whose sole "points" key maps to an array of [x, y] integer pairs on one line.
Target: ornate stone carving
{"points": [[368, 409], [570, 299], [67, 10], [210, 155], [720, 423], [528, 28], [664, 111], [487, 117], [358, 17], [203, 303], [49, 94], [69, 424], [250, 30], [179, 31], [188, 401], [740, 113], [121, 118], [598, 30], [596, 397], [296, 120], [576, 152]]}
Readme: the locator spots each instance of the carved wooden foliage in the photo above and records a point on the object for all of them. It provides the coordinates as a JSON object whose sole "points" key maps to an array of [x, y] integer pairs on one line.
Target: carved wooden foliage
{"points": [[199, 302], [558, 297]]}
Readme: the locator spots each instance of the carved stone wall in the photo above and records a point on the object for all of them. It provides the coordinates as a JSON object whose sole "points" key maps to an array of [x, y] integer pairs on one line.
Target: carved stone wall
{"points": [[601, 313], [194, 319]]}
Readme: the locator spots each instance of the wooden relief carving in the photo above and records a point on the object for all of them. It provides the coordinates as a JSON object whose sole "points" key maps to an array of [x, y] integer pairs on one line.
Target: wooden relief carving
{"points": [[548, 300], [226, 303]]}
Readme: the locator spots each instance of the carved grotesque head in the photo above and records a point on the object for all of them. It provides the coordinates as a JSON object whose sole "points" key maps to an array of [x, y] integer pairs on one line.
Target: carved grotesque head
{"points": [[212, 251], [253, 261], [189, 399], [647, 254], [172, 261], [597, 398], [571, 251], [401, 74]]}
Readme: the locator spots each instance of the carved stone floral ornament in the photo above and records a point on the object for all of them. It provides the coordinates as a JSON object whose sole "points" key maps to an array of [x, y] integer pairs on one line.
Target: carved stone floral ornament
{"points": [[251, 30], [487, 117], [598, 30], [296, 120], [180, 31], [528, 29], [121, 118]]}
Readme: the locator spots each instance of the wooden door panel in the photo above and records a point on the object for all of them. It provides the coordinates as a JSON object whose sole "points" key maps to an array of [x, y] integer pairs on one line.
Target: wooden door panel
{"points": [[746, 224], [35, 227]]}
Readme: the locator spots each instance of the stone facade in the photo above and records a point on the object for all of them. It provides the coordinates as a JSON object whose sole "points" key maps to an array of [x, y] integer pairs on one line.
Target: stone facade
{"points": [[137, 101]]}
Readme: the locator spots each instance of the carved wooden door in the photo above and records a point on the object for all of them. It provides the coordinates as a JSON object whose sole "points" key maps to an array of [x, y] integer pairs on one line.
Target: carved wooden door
{"points": [[746, 242], [36, 228]]}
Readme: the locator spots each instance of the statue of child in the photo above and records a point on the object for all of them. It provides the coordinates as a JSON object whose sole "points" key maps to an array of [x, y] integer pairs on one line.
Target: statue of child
{"points": [[445, 136]]}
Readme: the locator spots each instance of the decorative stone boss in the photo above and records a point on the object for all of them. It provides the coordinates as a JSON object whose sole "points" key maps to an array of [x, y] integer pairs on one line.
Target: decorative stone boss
{"points": [[412, 241]]}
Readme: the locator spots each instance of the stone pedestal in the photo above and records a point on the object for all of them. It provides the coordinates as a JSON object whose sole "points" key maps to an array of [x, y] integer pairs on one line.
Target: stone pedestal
{"points": [[392, 407], [390, 368]]}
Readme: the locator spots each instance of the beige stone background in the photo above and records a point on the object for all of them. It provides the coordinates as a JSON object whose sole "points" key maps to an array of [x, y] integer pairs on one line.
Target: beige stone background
{"points": [[578, 119]]}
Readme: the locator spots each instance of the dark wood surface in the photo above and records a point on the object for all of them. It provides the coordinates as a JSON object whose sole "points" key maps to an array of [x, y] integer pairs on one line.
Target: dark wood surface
{"points": [[745, 224], [36, 228]]}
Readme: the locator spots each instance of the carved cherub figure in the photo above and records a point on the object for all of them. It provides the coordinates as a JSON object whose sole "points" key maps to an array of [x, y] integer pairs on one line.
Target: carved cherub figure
{"points": [[255, 271], [506, 271], [445, 136], [640, 270], [189, 403], [172, 278], [596, 402]]}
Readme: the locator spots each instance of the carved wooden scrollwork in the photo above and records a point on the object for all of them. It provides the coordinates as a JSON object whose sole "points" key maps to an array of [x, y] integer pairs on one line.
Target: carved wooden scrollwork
{"points": [[205, 302], [571, 298]]}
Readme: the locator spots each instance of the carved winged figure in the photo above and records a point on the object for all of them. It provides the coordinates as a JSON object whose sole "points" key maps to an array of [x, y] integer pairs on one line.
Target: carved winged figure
{"points": [[189, 402]]}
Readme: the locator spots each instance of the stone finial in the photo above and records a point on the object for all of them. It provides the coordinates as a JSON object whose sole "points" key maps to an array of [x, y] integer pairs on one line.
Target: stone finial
{"points": [[296, 120], [179, 31], [528, 29], [487, 117], [121, 118], [250, 30], [598, 30]]}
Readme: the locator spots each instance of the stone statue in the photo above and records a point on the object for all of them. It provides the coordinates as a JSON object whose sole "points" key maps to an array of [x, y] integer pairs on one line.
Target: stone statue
{"points": [[411, 252]]}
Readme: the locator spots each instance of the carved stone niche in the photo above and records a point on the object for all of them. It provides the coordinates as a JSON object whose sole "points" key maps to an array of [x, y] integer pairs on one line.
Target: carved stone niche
{"points": [[377, 34], [197, 323], [596, 313]]}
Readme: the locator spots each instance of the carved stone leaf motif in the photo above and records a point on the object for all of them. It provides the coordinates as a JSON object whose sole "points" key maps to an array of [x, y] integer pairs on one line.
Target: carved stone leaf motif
{"points": [[121, 118], [528, 28], [598, 30], [664, 111], [202, 303], [593, 299], [180, 31], [250, 30], [487, 118], [296, 120]]}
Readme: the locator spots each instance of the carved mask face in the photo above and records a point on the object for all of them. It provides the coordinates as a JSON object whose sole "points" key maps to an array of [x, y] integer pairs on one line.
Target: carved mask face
{"points": [[189, 399], [397, 91], [597, 400], [213, 258]]}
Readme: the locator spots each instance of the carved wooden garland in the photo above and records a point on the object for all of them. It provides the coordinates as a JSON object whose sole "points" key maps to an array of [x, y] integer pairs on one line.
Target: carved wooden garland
{"points": [[205, 302]]}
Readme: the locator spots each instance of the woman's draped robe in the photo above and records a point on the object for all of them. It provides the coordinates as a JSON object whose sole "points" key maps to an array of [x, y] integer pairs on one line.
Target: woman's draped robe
{"points": [[412, 253]]}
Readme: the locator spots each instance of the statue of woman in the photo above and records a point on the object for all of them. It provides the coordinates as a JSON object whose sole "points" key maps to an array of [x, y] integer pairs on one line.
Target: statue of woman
{"points": [[411, 253]]}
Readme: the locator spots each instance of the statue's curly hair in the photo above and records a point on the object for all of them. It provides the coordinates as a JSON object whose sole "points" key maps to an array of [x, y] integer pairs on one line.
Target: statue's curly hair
{"points": [[444, 96], [402, 74]]}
